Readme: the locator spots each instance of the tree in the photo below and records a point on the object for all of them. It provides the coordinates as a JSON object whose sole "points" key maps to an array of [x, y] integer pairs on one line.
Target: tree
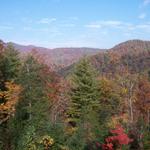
{"points": [[109, 100], [117, 140], [143, 100], [9, 65], [57, 93], [84, 102], [149, 75], [128, 86], [9, 90], [32, 109], [84, 92], [7, 109]]}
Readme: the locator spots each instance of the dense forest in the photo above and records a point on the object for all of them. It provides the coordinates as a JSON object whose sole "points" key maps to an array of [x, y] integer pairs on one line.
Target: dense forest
{"points": [[102, 102]]}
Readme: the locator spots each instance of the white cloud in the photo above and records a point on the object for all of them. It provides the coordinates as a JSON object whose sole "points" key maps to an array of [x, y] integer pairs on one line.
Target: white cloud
{"points": [[111, 23], [74, 18], [144, 26], [146, 2], [126, 27], [127, 34], [46, 20], [100, 24], [96, 26], [68, 25], [2, 27], [104, 32], [142, 16], [27, 28]]}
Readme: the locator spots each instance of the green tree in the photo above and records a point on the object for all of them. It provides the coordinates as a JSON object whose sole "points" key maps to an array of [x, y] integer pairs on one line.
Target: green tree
{"points": [[33, 107], [9, 65], [84, 95], [28, 140], [9, 70]]}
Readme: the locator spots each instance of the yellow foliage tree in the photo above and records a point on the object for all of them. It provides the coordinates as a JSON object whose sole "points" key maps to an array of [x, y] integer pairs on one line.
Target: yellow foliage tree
{"points": [[10, 96]]}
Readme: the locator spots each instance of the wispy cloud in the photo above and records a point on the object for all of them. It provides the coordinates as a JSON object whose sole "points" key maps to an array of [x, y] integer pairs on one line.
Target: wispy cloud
{"points": [[119, 25], [100, 24], [2, 27], [26, 20], [27, 28], [96, 26], [127, 34], [47, 20], [111, 23], [146, 2], [68, 25], [53, 31], [142, 16], [145, 26], [68, 22], [73, 18]]}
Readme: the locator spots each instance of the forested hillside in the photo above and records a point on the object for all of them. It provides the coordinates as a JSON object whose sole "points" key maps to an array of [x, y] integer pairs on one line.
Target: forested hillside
{"points": [[56, 57], [103, 103], [133, 54]]}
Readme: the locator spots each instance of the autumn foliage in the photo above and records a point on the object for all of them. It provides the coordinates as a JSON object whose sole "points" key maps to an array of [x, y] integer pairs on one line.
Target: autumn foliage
{"points": [[91, 108], [11, 96], [117, 140]]}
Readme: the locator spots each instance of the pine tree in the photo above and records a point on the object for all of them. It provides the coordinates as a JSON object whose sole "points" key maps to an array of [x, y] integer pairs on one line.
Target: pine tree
{"points": [[9, 64], [84, 95]]}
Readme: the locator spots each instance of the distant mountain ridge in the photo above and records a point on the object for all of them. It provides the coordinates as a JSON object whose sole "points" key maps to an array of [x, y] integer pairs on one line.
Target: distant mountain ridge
{"points": [[131, 46], [60, 57], [134, 54]]}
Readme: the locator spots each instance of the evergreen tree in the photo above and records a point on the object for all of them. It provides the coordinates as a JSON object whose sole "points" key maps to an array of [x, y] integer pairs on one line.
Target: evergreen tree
{"points": [[32, 109], [84, 93], [9, 65], [84, 101]]}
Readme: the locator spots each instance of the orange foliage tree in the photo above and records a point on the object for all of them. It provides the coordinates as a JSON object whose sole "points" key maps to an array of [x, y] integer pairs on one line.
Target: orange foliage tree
{"points": [[7, 107]]}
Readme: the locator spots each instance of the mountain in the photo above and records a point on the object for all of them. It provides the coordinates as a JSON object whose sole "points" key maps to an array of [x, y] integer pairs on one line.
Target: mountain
{"points": [[131, 46], [57, 57], [132, 54]]}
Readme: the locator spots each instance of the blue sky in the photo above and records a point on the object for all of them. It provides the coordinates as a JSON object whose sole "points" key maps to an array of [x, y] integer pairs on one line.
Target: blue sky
{"points": [[74, 23]]}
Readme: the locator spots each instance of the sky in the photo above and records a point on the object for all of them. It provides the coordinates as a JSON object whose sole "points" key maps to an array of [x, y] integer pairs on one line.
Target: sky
{"points": [[74, 23]]}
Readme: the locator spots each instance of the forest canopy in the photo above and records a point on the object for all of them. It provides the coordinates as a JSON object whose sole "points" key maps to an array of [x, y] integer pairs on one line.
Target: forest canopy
{"points": [[102, 104]]}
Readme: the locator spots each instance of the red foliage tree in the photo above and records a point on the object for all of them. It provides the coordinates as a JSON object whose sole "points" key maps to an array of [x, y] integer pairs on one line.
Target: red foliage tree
{"points": [[116, 141]]}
